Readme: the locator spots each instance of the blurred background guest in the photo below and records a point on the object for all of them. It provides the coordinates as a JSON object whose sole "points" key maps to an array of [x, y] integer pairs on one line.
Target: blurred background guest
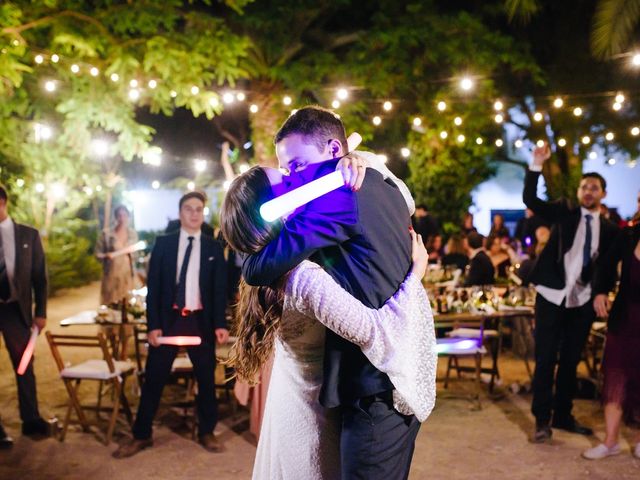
{"points": [[456, 252], [498, 229], [117, 269], [424, 223], [434, 247], [480, 271], [540, 241], [467, 224], [500, 258], [527, 226], [621, 361]]}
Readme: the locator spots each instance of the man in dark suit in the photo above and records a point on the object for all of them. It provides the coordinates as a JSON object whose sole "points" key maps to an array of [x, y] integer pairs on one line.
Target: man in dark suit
{"points": [[187, 296], [481, 270], [362, 241], [23, 273], [563, 276]]}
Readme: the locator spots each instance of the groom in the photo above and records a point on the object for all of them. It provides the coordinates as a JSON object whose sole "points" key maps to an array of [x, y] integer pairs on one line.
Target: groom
{"points": [[361, 239]]}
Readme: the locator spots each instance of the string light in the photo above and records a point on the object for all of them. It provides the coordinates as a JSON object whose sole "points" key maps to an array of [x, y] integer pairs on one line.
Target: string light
{"points": [[479, 140], [42, 132], [577, 111], [617, 106], [133, 83], [518, 143], [620, 98], [635, 131], [195, 90], [498, 105], [443, 135], [200, 165], [155, 185], [635, 60], [499, 118], [593, 155], [191, 185], [457, 121], [376, 120], [442, 106], [558, 102], [58, 191], [88, 190], [100, 147], [241, 97], [537, 116], [213, 101], [611, 161], [405, 152], [228, 98], [134, 94], [75, 68], [94, 71], [114, 77], [40, 187], [540, 143], [609, 136], [562, 142], [173, 94], [20, 183], [499, 142], [342, 94], [286, 100], [335, 104], [39, 59], [387, 106], [55, 58], [253, 108], [153, 158], [50, 86], [417, 121], [460, 138], [98, 188], [586, 140], [152, 84], [466, 84]]}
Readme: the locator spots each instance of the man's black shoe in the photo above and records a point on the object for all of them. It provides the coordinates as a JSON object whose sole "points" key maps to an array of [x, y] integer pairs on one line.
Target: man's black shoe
{"points": [[35, 427], [571, 425], [542, 434], [5, 440]]}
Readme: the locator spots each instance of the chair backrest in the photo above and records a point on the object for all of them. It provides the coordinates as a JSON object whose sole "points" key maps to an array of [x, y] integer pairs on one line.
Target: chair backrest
{"points": [[98, 341], [140, 344]]}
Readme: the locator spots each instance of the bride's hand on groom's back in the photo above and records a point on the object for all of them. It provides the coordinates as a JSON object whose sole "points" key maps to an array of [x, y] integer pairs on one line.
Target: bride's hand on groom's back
{"points": [[353, 168], [419, 255]]}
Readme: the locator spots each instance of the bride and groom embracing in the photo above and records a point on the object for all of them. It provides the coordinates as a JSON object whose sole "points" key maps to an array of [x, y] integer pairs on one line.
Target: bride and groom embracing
{"points": [[345, 401]]}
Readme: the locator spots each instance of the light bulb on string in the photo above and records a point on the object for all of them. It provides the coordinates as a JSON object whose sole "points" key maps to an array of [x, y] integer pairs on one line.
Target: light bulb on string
{"points": [[635, 60], [241, 97], [253, 108], [39, 59], [200, 165], [152, 84], [50, 86], [586, 140], [562, 142], [518, 143], [540, 143], [228, 98], [55, 58], [213, 101], [558, 102], [443, 135], [173, 94], [479, 141], [195, 90], [499, 118], [133, 83], [74, 68], [58, 191], [611, 161], [376, 120], [405, 152], [40, 187], [191, 185], [287, 100], [593, 155], [442, 106], [342, 94], [100, 147], [335, 104], [498, 105], [114, 77], [460, 138], [620, 98], [94, 71], [20, 182], [499, 142], [577, 111], [609, 136], [387, 106], [457, 121], [134, 94], [98, 188], [635, 131], [417, 121], [155, 184], [466, 84], [537, 117], [617, 106]]}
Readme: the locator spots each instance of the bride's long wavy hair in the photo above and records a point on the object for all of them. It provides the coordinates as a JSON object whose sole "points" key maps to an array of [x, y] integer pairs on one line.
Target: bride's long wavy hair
{"points": [[259, 308]]}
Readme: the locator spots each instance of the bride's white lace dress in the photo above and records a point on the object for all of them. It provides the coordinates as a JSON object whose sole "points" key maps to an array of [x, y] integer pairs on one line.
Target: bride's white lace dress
{"points": [[299, 439]]}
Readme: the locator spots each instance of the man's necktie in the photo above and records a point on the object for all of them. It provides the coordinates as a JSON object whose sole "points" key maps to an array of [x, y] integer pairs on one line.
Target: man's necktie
{"points": [[5, 289], [585, 274], [181, 295]]}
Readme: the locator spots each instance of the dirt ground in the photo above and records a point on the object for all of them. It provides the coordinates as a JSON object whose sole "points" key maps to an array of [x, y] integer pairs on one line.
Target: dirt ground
{"points": [[456, 442]]}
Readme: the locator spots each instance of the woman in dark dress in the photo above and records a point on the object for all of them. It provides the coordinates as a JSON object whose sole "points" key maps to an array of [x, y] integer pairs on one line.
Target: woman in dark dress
{"points": [[621, 364]]}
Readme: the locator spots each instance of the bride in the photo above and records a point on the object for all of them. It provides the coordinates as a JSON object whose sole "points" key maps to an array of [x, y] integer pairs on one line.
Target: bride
{"points": [[299, 438]]}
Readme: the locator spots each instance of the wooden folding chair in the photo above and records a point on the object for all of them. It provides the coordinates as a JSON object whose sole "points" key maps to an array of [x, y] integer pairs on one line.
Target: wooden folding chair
{"points": [[105, 369]]}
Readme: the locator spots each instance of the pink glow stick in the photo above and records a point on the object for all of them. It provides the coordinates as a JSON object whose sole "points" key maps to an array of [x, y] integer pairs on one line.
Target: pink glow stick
{"points": [[28, 351], [180, 341]]}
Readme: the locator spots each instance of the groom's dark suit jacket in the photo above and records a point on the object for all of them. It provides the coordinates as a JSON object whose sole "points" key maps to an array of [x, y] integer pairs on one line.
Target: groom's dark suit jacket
{"points": [[362, 240]]}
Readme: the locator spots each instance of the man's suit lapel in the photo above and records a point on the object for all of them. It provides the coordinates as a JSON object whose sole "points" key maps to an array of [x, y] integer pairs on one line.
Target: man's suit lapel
{"points": [[17, 240], [173, 258]]}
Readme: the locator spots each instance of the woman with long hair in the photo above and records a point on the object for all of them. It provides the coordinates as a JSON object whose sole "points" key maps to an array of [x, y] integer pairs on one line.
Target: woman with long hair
{"points": [[299, 438]]}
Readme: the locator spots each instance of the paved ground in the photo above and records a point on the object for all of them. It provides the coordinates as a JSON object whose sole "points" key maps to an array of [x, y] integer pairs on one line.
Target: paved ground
{"points": [[455, 443]]}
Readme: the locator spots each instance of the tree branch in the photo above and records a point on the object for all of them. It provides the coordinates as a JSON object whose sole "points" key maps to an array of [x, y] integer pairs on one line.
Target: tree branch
{"points": [[44, 20]]}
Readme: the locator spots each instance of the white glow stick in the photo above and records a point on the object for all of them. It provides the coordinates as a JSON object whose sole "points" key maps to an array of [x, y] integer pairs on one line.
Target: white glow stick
{"points": [[278, 207], [141, 245], [180, 341], [28, 351], [459, 345]]}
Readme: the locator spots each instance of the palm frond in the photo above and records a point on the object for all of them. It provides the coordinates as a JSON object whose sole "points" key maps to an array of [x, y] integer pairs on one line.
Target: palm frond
{"points": [[521, 10], [613, 25]]}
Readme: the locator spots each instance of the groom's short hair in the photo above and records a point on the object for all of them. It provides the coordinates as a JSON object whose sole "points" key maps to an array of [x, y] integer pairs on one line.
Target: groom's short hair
{"points": [[317, 125]]}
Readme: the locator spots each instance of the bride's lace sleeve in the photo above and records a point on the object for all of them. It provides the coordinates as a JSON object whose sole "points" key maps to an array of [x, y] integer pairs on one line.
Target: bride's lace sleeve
{"points": [[398, 339]]}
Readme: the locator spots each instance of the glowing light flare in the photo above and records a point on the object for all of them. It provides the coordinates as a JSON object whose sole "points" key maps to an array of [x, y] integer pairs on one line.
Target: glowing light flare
{"points": [[466, 84], [620, 98], [114, 77], [479, 141], [200, 165], [611, 161], [228, 98], [191, 185], [100, 147], [635, 60], [50, 86], [540, 143], [617, 106], [180, 341], [499, 118], [28, 352], [593, 155], [460, 138], [276, 208], [586, 140]]}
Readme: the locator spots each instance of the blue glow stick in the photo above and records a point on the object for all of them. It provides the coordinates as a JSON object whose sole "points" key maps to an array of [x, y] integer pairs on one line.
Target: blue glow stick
{"points": [[459, 345]]}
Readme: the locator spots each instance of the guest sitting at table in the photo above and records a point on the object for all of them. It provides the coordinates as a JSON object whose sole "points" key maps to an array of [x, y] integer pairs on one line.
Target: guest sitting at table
{"points": [[456, 252], [621, 360], [499, 255], [434, 247], [467, 224], [498, 228], [480, 270], [118, 269]]}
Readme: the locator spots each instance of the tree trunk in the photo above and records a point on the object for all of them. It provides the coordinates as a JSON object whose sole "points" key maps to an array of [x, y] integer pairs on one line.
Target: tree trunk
{"points": [[265, 123]]}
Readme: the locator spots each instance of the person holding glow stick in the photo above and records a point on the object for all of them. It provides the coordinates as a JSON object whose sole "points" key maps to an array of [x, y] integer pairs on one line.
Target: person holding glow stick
{"points": [[23, 305], [114, 248], [359, 238], [287, 318], [186, 299]]}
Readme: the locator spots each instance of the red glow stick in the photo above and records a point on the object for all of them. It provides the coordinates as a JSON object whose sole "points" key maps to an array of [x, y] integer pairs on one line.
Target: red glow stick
{"points": [[28, 351], [180, 341]]}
